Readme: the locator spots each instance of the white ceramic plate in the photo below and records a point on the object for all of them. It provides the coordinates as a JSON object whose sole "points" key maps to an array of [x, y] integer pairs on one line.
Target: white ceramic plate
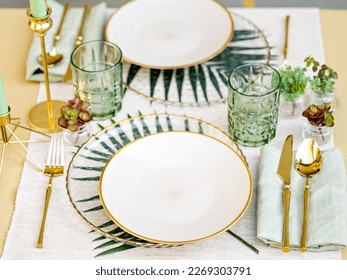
{"points": [[175, 187], [168, 34]]}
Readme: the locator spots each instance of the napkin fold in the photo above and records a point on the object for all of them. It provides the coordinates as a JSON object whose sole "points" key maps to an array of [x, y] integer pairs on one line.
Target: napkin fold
{"points": [[93, 30], [327, 218]]}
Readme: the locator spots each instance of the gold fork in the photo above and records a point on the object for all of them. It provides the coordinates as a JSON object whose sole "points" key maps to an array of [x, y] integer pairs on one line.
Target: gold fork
{"points": [[54, 167]]}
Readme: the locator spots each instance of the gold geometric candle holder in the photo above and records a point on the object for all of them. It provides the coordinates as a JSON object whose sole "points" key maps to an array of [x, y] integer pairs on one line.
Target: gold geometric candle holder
{"points": [[44, 116], [7, 128]]}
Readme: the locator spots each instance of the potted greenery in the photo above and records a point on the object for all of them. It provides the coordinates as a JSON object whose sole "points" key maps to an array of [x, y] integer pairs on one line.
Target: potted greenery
{"points": [[319, 123], [293, 88], [323, 83], [74, 119]]}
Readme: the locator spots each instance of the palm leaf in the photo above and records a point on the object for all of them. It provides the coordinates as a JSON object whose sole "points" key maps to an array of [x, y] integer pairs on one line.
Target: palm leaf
{"points": [[179, 82], [145, 128], [103, 160], [158, 124], [116, 249], [105, 146], [97, 208], [168, 122], [193, 81], [255, 250], [167, 81], [202, 80], [214, 81], [113, 140], [92, 198], [89, 168], [154, 76], [122, 135], [136, 132], [96, 178]]}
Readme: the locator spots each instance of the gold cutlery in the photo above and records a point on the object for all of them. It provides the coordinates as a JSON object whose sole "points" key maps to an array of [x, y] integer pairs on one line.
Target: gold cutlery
{"points": [[308, 162], [54, 167], [283, 171], [285, 49], [78, 41], [53, 57]]}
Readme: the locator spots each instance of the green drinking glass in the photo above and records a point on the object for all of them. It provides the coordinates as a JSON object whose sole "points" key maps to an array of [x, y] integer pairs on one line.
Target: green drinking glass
{"points": [[253, 100]]}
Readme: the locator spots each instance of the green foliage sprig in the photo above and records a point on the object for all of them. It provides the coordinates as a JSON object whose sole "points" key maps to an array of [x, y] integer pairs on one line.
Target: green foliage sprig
{"points": [[74, 114], [294, 82], [324, 79], [319, 115]]}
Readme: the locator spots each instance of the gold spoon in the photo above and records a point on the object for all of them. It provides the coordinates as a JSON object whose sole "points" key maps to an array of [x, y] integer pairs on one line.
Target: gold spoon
{"points": [[308, 162], [53, 57]]}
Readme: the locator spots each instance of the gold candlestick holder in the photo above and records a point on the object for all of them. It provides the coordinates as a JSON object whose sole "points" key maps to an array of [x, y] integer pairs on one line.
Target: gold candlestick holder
{"points": [[43, 116], [7, 128]]}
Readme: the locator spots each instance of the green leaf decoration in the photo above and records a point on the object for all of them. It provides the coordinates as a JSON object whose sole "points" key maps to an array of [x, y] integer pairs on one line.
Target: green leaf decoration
{"points": [[104, 155], [133, 70], [168, 122], [193, 81], [96, 178], [202, 80], [96, 197], [116, 249], [136, 132], [145, 128], [97, 208], [122, 135], [105, 146], [158, 125], [107, 224], [113, 231], [95, 159], [201, 131], [90, 168], [179, 82], [108, 243], [101, 127], [214, 81], [113, 140], [186, 125], [255, 250], [155, 73], [167, 81]]}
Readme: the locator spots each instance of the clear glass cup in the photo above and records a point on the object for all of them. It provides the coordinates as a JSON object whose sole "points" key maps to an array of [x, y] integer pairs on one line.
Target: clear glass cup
{"points": [[97, 77], [253, 101]]}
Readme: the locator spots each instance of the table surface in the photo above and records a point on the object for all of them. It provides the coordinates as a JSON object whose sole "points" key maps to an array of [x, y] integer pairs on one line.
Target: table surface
{"points": [[22, 95]]}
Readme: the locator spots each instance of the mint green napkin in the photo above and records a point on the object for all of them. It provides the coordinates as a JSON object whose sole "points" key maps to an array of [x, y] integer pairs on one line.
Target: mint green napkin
{"points": [[93, 30], [327, 220]]}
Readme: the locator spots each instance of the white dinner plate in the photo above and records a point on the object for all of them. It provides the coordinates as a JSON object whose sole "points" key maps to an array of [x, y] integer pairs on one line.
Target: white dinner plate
{"points": [[175, 187], [169, 34]]}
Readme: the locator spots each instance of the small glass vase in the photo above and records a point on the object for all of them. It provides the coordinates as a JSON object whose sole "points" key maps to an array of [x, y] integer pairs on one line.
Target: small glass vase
{"points": [[319, 97], [78, 137], [321, 134], [291, 109]]}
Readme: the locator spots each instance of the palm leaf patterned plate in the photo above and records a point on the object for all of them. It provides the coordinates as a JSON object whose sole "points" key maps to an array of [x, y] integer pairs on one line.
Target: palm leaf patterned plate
{"points": [[86, 166], [204, 83]]}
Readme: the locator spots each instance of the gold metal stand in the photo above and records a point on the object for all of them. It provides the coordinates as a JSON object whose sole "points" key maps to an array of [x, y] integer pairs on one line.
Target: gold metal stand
{"points": [[7, 133], [44, 118]]}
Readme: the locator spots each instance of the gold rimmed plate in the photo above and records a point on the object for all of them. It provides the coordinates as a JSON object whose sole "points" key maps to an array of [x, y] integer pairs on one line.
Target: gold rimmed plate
{"points": [[170, 34], [86, 166], [176, 187]]}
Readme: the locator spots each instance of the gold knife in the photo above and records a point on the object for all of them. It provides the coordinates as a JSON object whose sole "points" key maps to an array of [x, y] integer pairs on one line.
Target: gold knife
{"points": [[283, 171], [78, 41]]}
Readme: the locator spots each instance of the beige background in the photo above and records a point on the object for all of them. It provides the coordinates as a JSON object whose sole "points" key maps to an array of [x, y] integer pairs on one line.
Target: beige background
{"points": [[21, 95]]}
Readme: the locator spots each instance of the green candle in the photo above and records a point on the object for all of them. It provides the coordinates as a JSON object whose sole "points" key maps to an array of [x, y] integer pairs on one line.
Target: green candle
{"points": [[3, 101], [38, 8]]}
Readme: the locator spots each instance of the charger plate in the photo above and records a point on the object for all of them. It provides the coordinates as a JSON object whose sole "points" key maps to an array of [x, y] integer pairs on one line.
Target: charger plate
{"points": [[169, 34], [206, 83], [85, 168], [175, 187]]}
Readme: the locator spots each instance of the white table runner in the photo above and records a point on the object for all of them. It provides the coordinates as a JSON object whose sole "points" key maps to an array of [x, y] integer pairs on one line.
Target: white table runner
{"points": [[68, 237]]}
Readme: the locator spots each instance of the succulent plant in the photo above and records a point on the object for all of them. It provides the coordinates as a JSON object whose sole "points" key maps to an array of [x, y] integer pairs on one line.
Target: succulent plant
{"points": [[324, 80], [319, 115], [74, 114], [294, 82]]}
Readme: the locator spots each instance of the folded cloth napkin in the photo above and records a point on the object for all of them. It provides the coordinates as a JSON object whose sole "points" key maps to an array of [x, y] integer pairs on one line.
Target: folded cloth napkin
{"points": [[327, 218], [93, 30]]}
